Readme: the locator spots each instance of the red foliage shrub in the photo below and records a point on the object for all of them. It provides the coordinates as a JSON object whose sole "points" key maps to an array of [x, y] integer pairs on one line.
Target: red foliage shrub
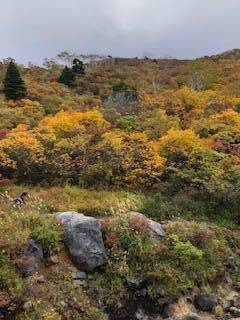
{"points": [[3, 133], [140, 224], [4, 182]]}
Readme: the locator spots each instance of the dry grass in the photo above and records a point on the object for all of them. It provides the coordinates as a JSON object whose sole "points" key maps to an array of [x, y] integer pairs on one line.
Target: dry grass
{"points": [[91, 202]]}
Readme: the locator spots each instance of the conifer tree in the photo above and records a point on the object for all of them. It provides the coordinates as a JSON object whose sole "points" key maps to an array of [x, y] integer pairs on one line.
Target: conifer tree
{"points": [[67, 77], [14, 86], [78, 67]]}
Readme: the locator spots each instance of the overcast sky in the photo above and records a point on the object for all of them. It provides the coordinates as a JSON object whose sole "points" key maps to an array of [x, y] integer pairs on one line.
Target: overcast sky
{"points": [[33, 29]]}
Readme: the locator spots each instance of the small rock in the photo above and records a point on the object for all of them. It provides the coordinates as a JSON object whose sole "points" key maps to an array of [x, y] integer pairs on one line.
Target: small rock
{"points": [[160, 292], [53, 259], [191, 316], [29, 262], [237, 286], [63, 304], [140, 315], [142, 293], [79, 275], [40, 279], [232, 264], [205, 302], [79, 283], [165, 303], [27, 305], [234, 311], [135, 282], [155, 228], [236, 301], [227, 303], [65, 287]]}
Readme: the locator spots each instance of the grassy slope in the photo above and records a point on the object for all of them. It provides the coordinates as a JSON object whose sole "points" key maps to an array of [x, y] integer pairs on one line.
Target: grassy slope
{"points": [[105, 202], [194, 254]]}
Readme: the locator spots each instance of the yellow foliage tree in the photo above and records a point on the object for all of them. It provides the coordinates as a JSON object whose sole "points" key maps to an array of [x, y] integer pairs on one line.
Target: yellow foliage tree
{"points": [[138, 160], [180, 142], [66, 123], [21, 153]]}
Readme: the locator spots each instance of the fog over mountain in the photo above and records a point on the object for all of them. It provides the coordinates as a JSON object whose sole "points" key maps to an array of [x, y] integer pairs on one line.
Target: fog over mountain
{"points": [[32, 30]]}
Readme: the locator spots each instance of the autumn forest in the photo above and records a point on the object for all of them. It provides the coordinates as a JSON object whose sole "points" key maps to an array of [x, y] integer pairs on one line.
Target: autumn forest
{"points": [[148, 125]]}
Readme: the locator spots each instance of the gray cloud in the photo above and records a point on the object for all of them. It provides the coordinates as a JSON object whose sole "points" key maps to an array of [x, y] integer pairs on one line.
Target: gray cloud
{"points": [[32, 30]]}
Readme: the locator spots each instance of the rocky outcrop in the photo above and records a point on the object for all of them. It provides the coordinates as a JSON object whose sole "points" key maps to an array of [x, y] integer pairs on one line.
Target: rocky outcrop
{"points": [[124, 102], [155, 228], [83, 237]]}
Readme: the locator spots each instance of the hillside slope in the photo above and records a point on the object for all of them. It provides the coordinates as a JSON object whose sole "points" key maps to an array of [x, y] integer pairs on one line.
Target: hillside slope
{"points": [[191, 270], [156, 136]]}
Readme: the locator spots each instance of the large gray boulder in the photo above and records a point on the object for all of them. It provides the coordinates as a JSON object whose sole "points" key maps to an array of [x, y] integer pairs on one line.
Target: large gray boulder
{"points": [[155, 228], [83, 237]]}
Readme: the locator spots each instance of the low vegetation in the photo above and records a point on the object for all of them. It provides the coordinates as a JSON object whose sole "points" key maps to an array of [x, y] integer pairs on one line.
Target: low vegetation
{"points": [[194, 254], [107, 137]]}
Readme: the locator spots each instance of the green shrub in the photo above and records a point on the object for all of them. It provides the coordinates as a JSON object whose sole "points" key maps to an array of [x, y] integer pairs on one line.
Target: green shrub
{"points": [[126, 122], [10, 282], [157, 207], [45, 230], [18, 227], [120, 86], [191, 255]]}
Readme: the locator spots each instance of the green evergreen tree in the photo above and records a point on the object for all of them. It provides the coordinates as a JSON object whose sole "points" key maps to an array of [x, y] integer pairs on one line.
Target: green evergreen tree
{"points": [[67, 77], [120, 86], [14, 86], [78, 67]]}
